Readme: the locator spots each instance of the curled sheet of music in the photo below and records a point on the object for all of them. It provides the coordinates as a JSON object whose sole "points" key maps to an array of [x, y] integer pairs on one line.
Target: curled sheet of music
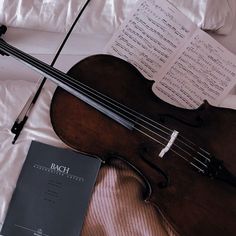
{"points": [[186, 64]]}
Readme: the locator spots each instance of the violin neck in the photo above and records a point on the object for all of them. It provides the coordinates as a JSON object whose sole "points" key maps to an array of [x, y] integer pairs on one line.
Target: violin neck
{"points": [[66, 82], [44, 69]]}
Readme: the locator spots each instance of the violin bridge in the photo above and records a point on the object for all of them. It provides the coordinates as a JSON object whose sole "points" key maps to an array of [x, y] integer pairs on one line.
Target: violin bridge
{"points": [[169, 144]]}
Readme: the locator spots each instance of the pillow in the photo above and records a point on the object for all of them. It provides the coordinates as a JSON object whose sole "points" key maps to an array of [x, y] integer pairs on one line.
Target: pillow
{"points": [[105, 16], [214, 15]]}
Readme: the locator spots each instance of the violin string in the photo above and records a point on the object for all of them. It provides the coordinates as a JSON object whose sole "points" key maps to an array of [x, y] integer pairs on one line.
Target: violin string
{"points": [[140, 116], [106, 97], [70, 79], [77, 83], [149, 130], [178, 154], [67, 78], [40, 64], [88, 89]]}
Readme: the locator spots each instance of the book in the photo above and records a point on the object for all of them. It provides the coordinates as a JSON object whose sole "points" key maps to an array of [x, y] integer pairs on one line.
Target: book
{"points": [[186, 65], [52, 193]]}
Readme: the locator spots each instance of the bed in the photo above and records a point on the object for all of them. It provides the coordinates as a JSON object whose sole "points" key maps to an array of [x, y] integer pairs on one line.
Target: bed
{"points": [[38, 27]]}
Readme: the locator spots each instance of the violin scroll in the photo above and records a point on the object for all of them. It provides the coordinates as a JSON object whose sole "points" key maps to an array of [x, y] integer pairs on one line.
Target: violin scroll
{"points": [[3, 30]]}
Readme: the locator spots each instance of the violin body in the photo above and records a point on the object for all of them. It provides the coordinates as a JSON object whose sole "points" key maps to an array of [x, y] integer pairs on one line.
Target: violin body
{"points": [[191, 202]]}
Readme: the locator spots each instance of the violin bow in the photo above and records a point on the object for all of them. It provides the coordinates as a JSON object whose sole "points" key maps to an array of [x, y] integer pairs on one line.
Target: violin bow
{"points": [[24, 114]]}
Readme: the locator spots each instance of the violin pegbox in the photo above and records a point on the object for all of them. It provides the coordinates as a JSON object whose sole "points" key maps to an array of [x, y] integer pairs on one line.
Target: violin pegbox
{"points": [[3, 30]]}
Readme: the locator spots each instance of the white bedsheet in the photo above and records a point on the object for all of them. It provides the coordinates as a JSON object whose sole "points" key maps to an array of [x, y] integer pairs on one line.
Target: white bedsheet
{"points": [[116, 207], [58, 15], [126, 213]]}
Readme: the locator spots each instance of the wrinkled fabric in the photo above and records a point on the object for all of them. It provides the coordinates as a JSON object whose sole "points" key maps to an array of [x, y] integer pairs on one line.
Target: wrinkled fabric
{"points": [[116, 206], [50, 15], [58, 15], [214, 15]]}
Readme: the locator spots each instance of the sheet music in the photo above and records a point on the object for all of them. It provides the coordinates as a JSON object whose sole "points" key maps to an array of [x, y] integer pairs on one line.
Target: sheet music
{"points": [[187, 65], [203, 70], [150, 36]]}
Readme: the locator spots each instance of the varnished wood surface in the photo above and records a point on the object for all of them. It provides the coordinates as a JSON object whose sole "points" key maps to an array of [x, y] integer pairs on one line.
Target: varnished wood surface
{"points": [[193, 204]]}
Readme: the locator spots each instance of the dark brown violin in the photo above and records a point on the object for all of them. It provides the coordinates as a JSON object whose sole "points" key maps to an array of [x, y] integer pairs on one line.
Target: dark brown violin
{"points": [[186, 157]]}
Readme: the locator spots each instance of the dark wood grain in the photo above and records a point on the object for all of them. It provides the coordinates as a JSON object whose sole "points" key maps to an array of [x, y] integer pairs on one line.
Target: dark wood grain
{"points": [[192, 203]]}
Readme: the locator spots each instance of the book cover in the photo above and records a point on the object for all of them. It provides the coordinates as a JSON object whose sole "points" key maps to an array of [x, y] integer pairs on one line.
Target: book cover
{"points": [[52, 193]]}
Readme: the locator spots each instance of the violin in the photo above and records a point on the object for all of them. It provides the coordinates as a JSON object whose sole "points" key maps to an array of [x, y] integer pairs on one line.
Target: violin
{"points": [[105, 107]]}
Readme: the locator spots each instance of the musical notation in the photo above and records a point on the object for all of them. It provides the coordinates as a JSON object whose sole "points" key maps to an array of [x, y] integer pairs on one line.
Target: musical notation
{"points": [[150, 37], [202, 71], [187, 65]]}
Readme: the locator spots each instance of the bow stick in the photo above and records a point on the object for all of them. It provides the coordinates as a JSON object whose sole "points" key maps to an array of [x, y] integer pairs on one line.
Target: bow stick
{"points": [[24, 114]]}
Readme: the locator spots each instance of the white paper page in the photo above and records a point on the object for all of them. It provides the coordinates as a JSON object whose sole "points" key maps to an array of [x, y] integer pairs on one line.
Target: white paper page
{"points": [[150, 37], [204, 70]]}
